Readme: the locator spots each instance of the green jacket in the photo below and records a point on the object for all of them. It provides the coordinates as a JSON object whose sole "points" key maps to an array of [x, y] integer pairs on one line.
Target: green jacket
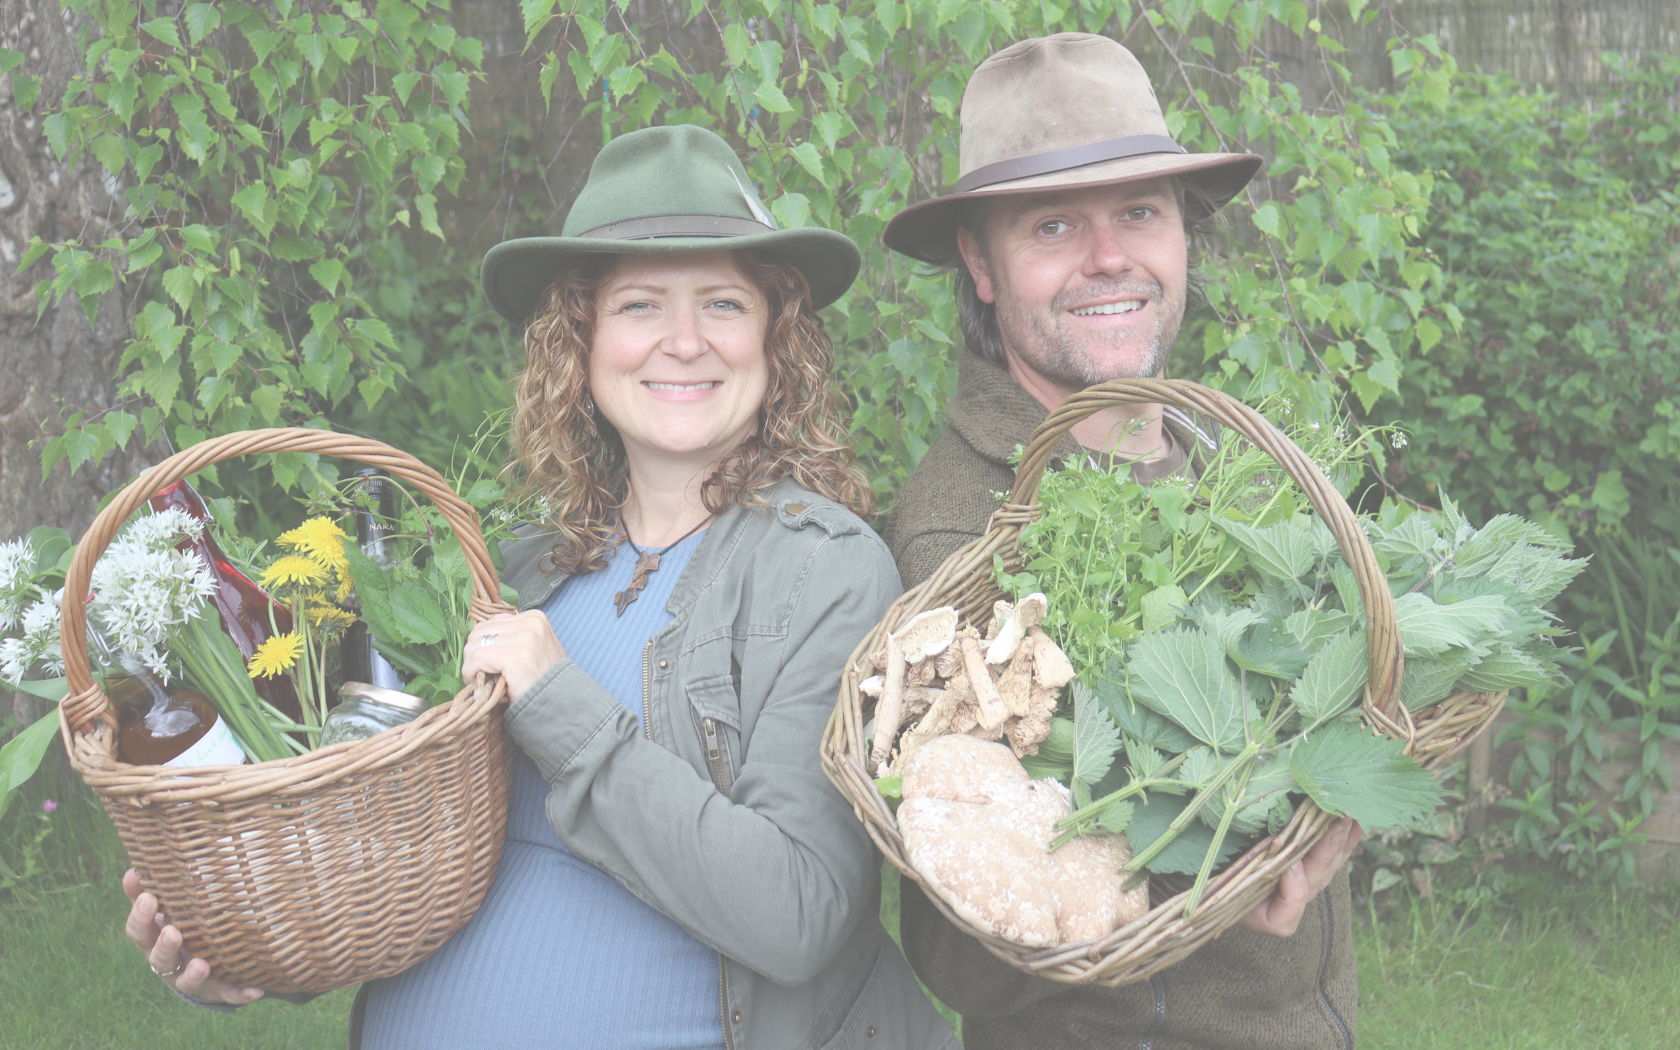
{"points": [[719, 815], [1243, 991]]}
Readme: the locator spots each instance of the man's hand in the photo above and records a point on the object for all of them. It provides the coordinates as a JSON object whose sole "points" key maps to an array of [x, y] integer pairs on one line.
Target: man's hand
{"points": [[1281, 913], [160, 943]]}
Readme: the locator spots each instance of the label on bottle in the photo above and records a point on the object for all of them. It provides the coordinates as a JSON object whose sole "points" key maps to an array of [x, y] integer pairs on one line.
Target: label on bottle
{"points": [[215, 748]]}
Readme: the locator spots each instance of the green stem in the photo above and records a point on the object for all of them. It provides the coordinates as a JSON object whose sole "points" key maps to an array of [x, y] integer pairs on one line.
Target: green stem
{"points": [[216, 666], [1084, 813], [1231, 807], [1243, 759]]}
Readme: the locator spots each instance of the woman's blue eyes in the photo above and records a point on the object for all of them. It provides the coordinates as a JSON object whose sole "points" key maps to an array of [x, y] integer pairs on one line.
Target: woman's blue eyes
{"points": [[642, 304]]}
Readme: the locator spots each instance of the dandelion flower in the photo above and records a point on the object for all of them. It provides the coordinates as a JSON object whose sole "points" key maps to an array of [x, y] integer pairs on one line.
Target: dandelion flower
{"points": [[331, 620], [294, 568], [278, 654], [321, 539]]}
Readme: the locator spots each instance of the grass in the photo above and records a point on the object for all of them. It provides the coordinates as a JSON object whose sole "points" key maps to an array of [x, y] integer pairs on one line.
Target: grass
{"points": [[1554, 964], [1551, 964]]}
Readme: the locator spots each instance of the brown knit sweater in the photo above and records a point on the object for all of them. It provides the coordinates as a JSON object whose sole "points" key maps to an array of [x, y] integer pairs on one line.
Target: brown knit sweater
{"points": [[1243, 991]]}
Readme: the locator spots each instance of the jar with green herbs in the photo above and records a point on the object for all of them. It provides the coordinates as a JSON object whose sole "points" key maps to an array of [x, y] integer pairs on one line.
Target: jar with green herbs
{"points": [[365, 710]]}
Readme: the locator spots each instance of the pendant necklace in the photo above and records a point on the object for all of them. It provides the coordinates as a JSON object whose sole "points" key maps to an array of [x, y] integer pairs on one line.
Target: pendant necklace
{"points": [[647, 563]]}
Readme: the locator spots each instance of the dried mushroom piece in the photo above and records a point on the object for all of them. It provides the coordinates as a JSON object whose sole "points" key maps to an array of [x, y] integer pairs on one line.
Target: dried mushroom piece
{"points": [[924, 637], [992, 712], [1025, 616]]}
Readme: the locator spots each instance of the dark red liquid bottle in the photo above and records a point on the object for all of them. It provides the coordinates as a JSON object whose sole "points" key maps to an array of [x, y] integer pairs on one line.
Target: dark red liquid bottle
{"points": [[244, 607]]}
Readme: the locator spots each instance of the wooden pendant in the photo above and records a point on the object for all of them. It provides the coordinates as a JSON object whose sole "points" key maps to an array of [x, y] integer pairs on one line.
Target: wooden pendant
{"points": [[646, 565]]}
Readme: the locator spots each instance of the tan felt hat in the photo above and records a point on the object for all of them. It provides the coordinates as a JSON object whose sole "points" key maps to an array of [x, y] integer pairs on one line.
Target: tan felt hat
{"points": [[1060, 112]]}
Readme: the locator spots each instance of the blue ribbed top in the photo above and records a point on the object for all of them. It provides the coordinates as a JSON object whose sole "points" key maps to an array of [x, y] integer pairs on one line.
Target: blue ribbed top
{"points": [[560, 954]]}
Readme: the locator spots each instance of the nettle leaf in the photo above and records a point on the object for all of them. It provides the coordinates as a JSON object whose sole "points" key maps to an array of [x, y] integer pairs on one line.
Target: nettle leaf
{"points": [[1282, 550], [1224, 623], [1507, 668], [1201, 764], [1095, 738], [1311, 628], [1163, 606], [1271, 651], [1429, 629], [1332, 679], [1116, 816], [1186, 852], [1183, 674], [1416, 537], [1431, 678], [1351, 773]]}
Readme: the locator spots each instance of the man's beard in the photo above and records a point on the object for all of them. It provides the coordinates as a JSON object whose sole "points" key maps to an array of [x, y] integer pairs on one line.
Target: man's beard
{"points": [[1043, 341]]}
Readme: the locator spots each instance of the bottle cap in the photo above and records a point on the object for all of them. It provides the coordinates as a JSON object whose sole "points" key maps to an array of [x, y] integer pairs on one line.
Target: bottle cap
{"points": [[381, 695]]}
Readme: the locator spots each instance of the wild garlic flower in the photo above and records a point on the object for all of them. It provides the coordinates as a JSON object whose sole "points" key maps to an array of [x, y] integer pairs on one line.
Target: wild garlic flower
{"points": [[142, 587], [38, 646], [17, 563]]}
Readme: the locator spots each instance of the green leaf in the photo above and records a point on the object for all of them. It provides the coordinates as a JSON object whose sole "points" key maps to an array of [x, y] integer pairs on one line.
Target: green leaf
{"points": [[1281, 550], [1332, 680], [164, 29], [9, 60], [1183, 674], [1186, 852], [1138, 722], [1095, 738], [1058, 746], [257, 206], [1163, 606], [1351, 773], [119, 425], [22, 755], [1429, 629], [1268, 218], [1428, 679], [416, 616], [201, 20], [1116, 816], [1507, 668]]}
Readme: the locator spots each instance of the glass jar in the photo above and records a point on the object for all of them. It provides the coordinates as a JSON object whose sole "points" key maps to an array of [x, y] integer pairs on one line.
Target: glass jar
{"points": [[365, 710]]}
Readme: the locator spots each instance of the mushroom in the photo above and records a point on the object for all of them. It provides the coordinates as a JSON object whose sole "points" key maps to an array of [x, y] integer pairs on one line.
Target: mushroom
{"points": [[992, 711], [936, 722], [1051, 670], [978, 829], [871, 686], [918, 700], [1016, 682], [926, 635], [1001, 611], [1028, 614], [949, 663]]}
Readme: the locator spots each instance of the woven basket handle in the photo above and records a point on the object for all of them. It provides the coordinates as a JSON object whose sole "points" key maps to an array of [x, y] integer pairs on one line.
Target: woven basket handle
{"points": [[86, 702], [1386, 657]]}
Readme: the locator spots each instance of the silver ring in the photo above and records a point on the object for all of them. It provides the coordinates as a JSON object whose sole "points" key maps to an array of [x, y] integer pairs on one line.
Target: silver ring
{"points": [[487, 639], [182, 965]]}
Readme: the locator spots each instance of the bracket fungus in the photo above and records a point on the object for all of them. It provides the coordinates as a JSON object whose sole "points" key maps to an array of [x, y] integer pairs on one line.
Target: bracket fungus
{"points": [[978, 830]]}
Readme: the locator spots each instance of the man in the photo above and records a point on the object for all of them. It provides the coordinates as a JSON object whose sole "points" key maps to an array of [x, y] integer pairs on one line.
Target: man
{"points": [[1068, 236]]}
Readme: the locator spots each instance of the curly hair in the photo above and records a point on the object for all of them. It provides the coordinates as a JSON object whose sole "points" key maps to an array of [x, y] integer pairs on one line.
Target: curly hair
{"points": [[570, 456]]}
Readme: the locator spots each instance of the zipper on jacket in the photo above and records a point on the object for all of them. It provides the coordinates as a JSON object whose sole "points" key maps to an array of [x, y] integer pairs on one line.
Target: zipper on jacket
{"points": [[716, 762], [1159, 988], [723, 1004], [1324, 970], [647, 688]]}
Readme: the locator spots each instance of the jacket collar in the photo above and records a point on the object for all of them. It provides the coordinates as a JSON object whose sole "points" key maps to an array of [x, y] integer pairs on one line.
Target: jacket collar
{"points": [[993, 414]]}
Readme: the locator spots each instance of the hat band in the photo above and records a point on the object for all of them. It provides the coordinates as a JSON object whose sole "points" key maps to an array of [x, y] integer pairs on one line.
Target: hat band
{"points": [[653, 226], [1062, 159]]}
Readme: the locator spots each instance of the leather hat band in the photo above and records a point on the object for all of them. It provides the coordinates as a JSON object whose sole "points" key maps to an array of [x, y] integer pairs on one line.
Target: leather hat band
{"points": [[652, 226], [1062, 159]]}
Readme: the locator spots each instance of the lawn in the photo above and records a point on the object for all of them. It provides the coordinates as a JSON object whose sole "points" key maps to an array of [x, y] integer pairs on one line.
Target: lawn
{"points": [[1553, 965]]}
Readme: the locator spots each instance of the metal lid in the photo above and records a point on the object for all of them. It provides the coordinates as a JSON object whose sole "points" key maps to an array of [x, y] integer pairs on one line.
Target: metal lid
{"points": [[381, 695]]}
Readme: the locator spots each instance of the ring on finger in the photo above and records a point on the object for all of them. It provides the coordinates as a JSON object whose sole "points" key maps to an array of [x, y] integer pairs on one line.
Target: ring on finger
{"points": [[182, 965], [488, 639]]}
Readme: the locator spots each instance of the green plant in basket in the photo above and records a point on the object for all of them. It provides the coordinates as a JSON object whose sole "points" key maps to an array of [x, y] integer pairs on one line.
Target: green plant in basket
{"points": [[1219, 640]]}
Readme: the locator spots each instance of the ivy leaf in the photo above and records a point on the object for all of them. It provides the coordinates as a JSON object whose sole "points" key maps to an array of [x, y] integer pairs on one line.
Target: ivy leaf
{"points": [[1332, 679], [1183, 674], [1095, 738], [1351, 773], [1430, 629], [1281, 551]]}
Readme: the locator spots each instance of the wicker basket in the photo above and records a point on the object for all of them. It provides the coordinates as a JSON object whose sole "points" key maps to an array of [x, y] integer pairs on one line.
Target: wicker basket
{"points": [[1164, 936], [335, 867]]}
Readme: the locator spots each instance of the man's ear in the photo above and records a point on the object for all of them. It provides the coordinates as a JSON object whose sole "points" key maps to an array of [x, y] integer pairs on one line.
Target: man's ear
{"points": [[979, 267]]}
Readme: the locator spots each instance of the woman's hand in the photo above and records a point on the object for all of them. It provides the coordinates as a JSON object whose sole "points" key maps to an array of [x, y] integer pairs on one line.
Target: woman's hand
{"points": [[160, 943], [519, 648], [1280, 914]]}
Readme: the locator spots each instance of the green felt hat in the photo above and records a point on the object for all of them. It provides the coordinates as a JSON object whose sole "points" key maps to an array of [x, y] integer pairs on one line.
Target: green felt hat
{"points": [[672, 189]]}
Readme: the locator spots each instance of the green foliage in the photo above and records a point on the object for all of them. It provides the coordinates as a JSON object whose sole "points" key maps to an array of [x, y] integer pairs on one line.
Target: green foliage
{"points": [[265, 150], [1556, 225]]}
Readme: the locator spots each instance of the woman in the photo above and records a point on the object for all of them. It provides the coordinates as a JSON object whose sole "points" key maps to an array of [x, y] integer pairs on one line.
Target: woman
{"points": [[678, 872]]}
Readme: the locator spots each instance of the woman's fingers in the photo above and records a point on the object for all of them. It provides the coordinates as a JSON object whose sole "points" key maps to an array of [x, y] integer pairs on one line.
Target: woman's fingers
{"points": [[161, 944], [519, 648]]}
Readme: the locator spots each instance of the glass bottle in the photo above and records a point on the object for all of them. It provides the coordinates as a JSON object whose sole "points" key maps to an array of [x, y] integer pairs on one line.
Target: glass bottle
{"points": [[158, 725], [360, 660], [365, 710], [244, 607]]}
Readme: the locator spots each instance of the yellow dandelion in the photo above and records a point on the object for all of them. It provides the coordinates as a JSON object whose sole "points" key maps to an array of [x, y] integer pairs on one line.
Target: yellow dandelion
{"points": [[320, 539], [331, 620], [294, 569], [278, 654]]}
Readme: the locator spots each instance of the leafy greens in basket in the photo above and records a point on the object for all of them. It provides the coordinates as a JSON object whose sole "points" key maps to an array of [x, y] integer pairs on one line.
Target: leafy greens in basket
{"points": [[1219, 641]]}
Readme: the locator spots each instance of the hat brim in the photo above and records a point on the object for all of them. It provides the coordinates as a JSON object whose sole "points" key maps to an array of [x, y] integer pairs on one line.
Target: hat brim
{"points": [[517, 272], [928, 231]]}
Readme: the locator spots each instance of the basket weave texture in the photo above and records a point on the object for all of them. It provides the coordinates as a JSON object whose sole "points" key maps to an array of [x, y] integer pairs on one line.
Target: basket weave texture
{"points": [[1164, 936], [317, 872]]}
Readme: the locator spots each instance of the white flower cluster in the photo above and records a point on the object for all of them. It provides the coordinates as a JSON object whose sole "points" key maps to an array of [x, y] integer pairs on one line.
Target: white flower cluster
{"points": [[17, 559], [39, 644], [142, 586]]}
